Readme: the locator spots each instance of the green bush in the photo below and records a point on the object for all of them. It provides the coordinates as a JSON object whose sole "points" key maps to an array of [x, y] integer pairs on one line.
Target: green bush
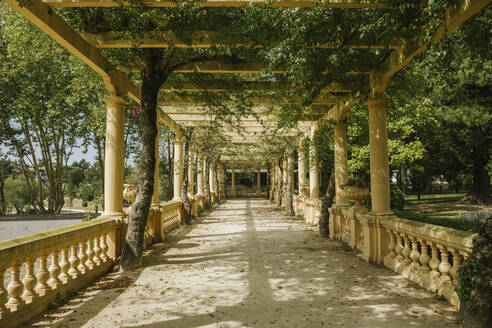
{"points": [[14, 189], [199, 210], [397, 198]]}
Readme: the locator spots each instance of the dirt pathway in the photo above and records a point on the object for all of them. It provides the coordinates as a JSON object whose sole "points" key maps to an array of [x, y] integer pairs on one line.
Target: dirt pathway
{"points": [[246, 265]]}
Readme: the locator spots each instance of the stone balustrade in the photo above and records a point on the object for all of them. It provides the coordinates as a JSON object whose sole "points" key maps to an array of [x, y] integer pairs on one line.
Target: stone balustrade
{"points": [[309, 208], [426, 254], [51, 265]]}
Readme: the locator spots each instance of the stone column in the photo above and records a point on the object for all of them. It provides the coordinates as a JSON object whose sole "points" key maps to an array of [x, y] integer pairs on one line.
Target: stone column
{"points": [[199, 175], [178, 167], [258, 182], [191, 171], [233, 183], [114, 156], [300, 167], [313, 171], [155, 195], [378, 147], [212, 179], [341, 164]]}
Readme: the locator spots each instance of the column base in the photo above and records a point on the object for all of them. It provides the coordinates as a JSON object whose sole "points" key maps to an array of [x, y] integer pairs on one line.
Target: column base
{"points": [[113, 213]]}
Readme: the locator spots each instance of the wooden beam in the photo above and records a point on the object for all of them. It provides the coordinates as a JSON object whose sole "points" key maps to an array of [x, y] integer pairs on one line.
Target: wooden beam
{"points": [[456, 15], [223, 68], [256, 100], [200, 39], [372, 4], [47, 21], [215, 86]]}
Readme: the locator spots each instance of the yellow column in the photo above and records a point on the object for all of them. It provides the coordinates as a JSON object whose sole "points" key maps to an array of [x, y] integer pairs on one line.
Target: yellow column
{"points": [[191, 171], [114, 156], [233, 183], [378, 147], [313, 171], [178, 167], [300, 167], [155, 195], [258, 181], [199, 175], [341, 164], [212, 179]]}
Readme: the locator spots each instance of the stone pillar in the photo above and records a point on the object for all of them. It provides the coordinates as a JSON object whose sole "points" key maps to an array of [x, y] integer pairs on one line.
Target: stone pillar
{"points": [[191, 171], [212, 179], [313, 171], [378, 147], [178, 167], [114, 156], [285, 173], [233, 183], [341, 163], [258, 181], [155, 195], [199, 175], [300, 168]]}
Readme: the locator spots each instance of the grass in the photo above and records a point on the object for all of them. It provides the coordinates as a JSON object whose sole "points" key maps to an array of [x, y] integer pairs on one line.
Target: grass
{"points": [[450, 219], [433, 198]]}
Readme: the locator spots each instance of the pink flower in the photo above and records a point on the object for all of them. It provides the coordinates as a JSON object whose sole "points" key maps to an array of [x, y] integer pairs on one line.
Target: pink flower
{"points": [[136, 110]]}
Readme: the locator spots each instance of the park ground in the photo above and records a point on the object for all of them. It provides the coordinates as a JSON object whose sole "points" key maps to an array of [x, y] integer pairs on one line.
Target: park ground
{"points": [[245, 264]]}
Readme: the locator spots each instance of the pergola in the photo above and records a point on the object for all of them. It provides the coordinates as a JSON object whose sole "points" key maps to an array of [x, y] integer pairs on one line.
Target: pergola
{"points": [[334, 104], [336, 101]]}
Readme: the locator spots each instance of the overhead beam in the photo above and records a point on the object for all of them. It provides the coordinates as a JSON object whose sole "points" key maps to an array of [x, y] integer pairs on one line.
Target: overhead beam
{"points": [[47, 21], [456, 15], [256, 100], [215, 86], [226, 68], [372, 4], [200, 39]]}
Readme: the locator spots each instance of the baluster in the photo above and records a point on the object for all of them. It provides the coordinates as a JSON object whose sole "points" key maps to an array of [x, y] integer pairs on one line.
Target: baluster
{"points": [[97, 251], [434, 262], [399, 247], [424, 256], [3, 294], [90, 254], [444, 267], [456, 264], [82, 258], [391, 245], [104, 247], [74, 261], [29, 281], [42, 275], [414, 254], [54, 270], [64, 265], [14, 288], [406, 250]]}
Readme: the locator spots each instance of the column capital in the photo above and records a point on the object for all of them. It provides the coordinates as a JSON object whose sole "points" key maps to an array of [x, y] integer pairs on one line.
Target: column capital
{"points": [[377, 102], [115, 101], [178, 141]]}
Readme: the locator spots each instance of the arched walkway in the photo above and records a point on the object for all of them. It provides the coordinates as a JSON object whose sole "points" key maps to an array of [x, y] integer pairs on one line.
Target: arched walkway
{"points": [[246, 265]]}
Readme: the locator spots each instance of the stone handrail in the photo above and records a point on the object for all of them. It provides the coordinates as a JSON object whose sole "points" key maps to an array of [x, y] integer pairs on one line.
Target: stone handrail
{"points": [[309, 208], [427, 254], [54, 264], [77, 254]]}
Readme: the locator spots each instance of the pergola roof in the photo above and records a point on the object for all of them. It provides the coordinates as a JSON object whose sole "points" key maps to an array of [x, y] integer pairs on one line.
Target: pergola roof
{"points": [[334, 105]]}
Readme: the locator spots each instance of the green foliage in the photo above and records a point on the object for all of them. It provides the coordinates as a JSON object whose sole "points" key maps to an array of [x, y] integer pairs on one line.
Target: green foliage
{"points": [[15, 190], [199, 210], [397, 198], [474, 288]]}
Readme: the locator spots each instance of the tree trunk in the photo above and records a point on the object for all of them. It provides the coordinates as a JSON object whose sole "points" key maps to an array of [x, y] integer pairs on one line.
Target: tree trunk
{"points": [[184, 188], [403, 179], [324, 221], [279, 186], [152, 79], [3, 205], [288, 191], [208, 195], [479, 192], [217, 190]]}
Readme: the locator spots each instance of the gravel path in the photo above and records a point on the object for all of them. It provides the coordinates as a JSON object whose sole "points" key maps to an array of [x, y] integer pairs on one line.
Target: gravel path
{"points": [[246, 265]]}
